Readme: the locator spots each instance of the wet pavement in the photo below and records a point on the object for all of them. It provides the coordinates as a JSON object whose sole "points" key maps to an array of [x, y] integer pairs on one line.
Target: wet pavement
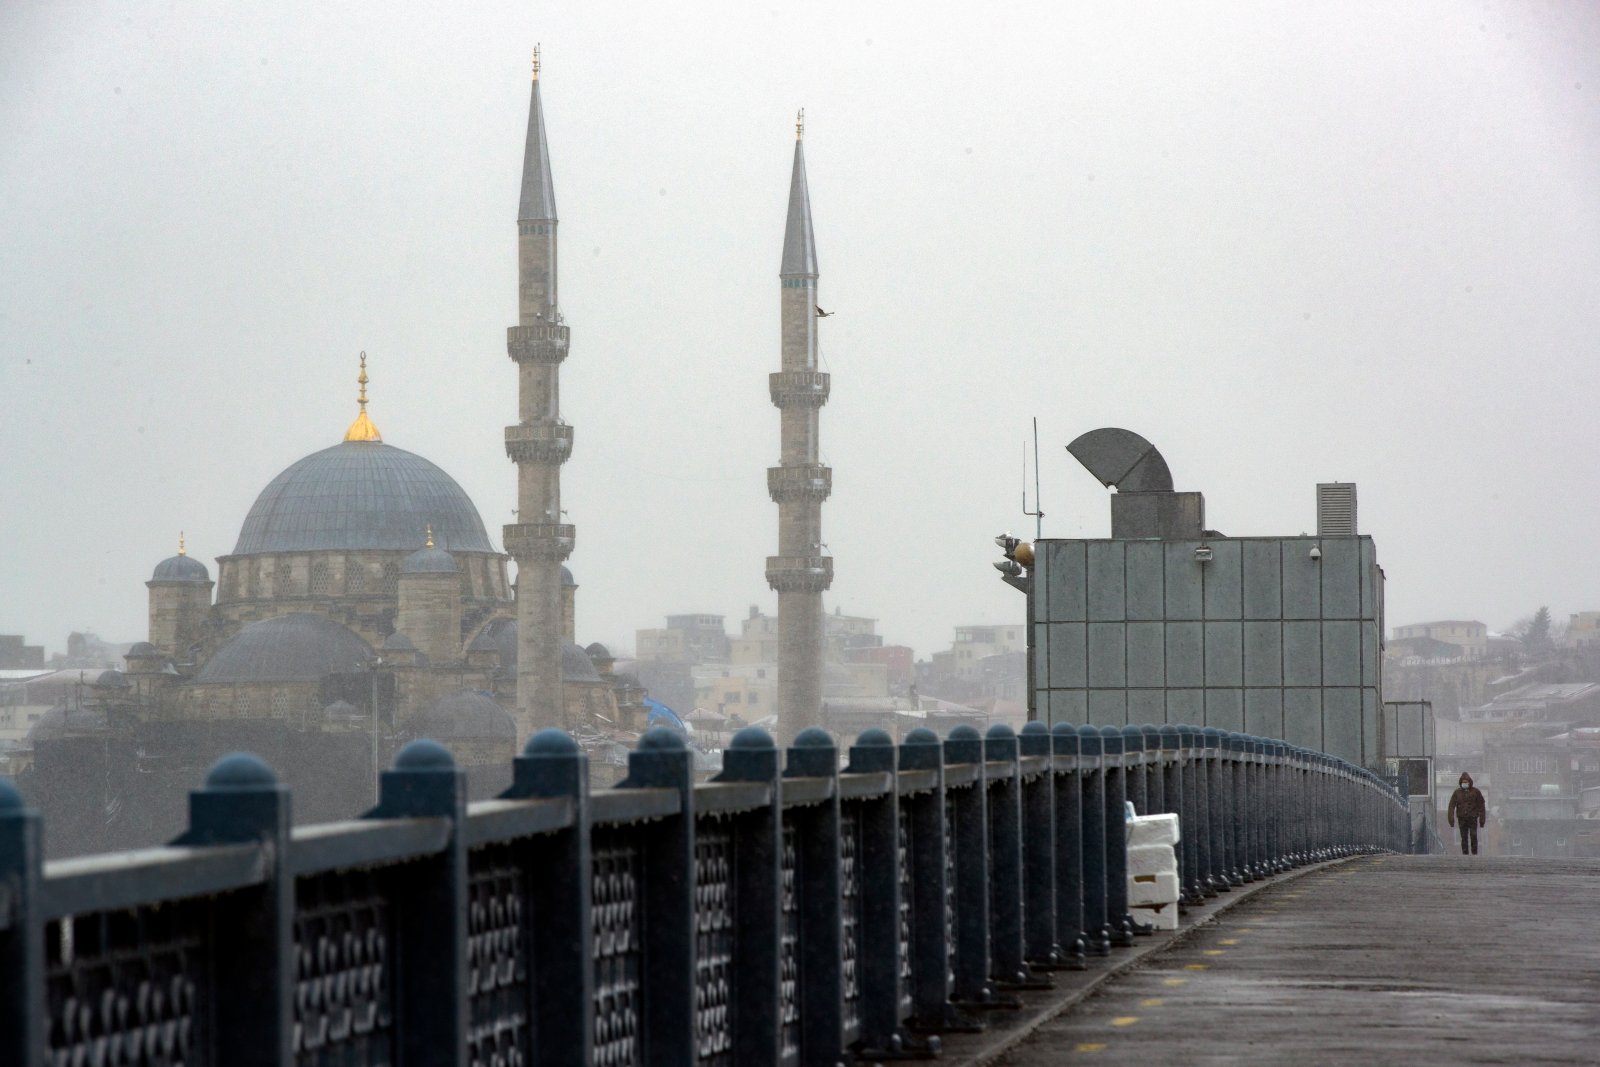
{"points": [[1376, 960]]}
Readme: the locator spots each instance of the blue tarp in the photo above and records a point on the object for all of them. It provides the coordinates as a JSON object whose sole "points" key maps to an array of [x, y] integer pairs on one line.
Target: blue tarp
{"points": [[661, 715]]}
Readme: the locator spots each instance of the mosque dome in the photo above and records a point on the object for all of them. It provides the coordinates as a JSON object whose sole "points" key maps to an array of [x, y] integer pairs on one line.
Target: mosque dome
{"points": [[575, 665], [180, 568], [361, 494], [464, 716], [290, 648], [61, 721], [567, 580]]}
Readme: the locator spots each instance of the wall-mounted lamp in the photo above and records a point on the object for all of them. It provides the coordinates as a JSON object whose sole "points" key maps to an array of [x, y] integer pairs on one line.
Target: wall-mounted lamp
{"points": [[1316, 553], [1202, 554]]}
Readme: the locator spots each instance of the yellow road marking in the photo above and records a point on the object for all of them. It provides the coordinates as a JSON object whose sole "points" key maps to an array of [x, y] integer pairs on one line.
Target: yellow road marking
{"points": [[1151, 1002], [1174, 981], [1228, 941], [1091, 1046], [1214, 952], [1124, 1020], [1197, 966]]}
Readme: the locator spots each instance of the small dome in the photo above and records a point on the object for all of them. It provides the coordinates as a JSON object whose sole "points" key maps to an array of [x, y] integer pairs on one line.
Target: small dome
{"points": [[141, 648], [567, 580], [429, 561], [500, 635], [290, 648], [465, 716], [111, 680], [398, 642], [60, 722], [598, 651], [180, 569], [575, 665]]}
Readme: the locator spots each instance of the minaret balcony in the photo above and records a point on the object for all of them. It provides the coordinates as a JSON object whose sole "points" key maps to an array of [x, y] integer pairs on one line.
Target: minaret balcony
{"points": [[539, 541], [798, 388], [799, 574], [810, 482], [539, 442], [544, 343]]}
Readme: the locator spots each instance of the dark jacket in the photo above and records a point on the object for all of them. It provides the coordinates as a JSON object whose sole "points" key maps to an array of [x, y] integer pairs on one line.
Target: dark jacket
{"points": [[1467, 803]]}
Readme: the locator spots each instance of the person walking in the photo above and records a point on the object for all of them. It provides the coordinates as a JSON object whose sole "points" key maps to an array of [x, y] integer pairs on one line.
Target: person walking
{"points": [[1466, 804]]}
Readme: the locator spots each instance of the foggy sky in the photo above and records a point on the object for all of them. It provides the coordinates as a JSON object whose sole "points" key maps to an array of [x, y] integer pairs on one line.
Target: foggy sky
{"points": [[1287, 243]]}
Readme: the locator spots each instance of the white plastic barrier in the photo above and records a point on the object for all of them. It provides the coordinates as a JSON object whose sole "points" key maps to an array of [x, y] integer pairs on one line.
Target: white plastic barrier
{"points": [[1153, 870]]}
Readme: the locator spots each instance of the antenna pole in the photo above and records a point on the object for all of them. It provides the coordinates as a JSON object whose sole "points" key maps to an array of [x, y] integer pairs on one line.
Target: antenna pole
{"points": [[1037, 514]]}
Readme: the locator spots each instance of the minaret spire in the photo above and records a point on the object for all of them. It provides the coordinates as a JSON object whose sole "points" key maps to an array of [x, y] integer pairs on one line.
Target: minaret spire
{"points": [[362, 429], [539, 442], [800, 483]]}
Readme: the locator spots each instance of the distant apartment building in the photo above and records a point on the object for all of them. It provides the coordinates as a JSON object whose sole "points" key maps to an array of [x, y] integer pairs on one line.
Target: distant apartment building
{"points": [[1424, 639], [1583, 629], [17, 655], [685, 639]]}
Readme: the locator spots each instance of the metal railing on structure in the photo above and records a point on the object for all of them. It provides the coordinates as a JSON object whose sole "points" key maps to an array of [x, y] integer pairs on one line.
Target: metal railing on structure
{"points": [[793, 914]]}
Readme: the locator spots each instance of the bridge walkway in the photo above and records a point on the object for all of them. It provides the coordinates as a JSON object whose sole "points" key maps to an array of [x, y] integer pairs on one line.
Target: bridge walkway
{"points": [[1378, 960]]}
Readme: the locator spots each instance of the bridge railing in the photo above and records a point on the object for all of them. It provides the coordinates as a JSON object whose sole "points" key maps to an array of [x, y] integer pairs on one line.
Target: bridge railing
{"points": [[789, 911]]}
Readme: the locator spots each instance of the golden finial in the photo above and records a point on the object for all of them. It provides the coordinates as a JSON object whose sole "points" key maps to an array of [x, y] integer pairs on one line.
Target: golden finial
{"points": [[362, 429], [535, 62], [181, 550], [430, 536], [800, 125]]}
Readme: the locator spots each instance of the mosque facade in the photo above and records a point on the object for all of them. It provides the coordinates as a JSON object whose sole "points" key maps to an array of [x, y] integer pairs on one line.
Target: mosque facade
{"points": [[362, 605]]}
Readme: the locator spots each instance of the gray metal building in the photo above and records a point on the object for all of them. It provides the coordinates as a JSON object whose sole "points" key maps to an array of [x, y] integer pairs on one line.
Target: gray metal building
{"points": [[1167, 622]]}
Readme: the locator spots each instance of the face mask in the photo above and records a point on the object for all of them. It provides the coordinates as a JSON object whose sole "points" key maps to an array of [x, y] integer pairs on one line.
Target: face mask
{"points": [[1466, 785]]}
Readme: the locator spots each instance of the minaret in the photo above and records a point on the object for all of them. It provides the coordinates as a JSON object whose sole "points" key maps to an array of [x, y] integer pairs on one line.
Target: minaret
{"points": [[800, 571], [540, 442]]}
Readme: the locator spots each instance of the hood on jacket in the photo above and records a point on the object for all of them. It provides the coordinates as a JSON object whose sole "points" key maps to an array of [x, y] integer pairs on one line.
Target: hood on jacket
{"points": [[1466, 780]]}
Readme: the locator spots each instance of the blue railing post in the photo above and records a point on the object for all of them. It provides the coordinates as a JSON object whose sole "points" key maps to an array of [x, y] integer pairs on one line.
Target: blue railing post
{"points": [[561, 982], [1007, 965], [1113, 760], [1065, 773], [1135, 769], [253, 970], [818, 878], [921, 753], [1040, 947], [1210, 817], [1155, 775], [430, 897], [1192, 826], [1091, 774], [666, 893], [754, 995], [22, 1003], [1221, 808], [880, 955], [969, 834]]}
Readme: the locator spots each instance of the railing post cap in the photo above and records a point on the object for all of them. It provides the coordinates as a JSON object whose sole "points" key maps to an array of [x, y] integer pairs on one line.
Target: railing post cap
{"points": [[424, 755], [873, 738], [550, 742], [754, 737], [238, 772], [921, 736], [659, 738], [10, 798], [810, 737], [965, 732], [999, 732]]}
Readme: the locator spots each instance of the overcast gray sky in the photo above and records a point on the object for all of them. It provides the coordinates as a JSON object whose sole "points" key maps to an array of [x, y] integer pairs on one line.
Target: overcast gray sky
{"points": [[1288, 243]]}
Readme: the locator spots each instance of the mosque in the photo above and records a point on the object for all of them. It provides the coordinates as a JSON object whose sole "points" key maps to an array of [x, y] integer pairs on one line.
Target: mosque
{"points": [[363, 604]]}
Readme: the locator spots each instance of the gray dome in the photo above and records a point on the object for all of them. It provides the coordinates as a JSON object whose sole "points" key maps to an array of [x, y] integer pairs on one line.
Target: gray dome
{"points": [[398, 642], [180, 569], [575, 665], [289, 648], [500, 636], [111, 680], [464, 716], [429, 561], [141, 648], [567, 580], [59, 722], [598, 651], [361, 495]]}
